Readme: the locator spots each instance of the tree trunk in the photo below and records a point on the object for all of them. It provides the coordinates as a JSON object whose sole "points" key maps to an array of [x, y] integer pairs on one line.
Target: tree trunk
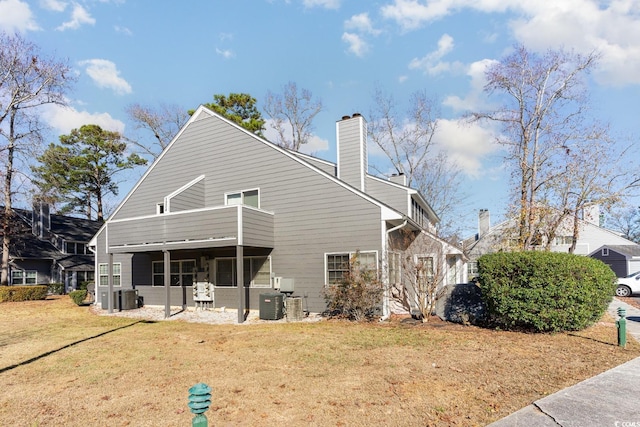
{"points": [[8, 210]]}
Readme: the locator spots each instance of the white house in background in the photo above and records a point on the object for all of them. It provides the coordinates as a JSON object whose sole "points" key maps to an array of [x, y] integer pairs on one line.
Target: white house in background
{"points": [[591, 237]]}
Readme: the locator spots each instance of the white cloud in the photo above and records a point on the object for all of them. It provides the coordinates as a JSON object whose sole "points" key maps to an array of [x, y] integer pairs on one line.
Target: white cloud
{"points": [[466, 144], [475, 98], [313, 146], [225, 53], [611, 27], [432, 63], [362, 24], [79, 16], [64, 119], [16, 15], [54, 5], [123, 30], [357, 45], [105, 74], [326, 4]]}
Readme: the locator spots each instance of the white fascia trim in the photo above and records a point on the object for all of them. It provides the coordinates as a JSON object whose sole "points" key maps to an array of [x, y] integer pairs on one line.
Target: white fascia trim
{"points": [[189, 211], [202, 109], [194, 116], [167, 199]]}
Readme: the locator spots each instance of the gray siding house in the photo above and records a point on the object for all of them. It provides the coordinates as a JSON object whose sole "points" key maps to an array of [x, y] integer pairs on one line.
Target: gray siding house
{"points": [[48, 248], [623, 259], [224, 207]]}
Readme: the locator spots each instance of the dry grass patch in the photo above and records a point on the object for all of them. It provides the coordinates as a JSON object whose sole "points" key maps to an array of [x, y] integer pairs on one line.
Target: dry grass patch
{"points": [[325, 373]]}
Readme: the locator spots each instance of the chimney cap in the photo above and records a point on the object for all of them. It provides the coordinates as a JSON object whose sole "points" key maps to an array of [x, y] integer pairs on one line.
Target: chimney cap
{"points": [[356, 115], [345, 117]]}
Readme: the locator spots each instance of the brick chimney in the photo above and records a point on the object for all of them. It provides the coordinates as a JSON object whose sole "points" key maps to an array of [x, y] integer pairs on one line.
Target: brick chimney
{"points": [[351, 137]]}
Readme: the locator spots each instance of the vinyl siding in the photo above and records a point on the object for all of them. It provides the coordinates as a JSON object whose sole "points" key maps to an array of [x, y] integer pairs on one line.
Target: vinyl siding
{"points": [[190, 198], [352, 152], [312, 214], [396, 197]]}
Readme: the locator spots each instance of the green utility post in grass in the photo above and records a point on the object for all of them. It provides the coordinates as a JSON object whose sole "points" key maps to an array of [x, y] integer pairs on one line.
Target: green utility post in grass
{"points": [[622, 327], [199, 402]]}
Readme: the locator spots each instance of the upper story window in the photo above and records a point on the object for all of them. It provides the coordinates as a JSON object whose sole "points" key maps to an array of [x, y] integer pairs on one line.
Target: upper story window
{"points": [[246, 197], [160, 208], [563, 240], [418, 214], [75, 248]]}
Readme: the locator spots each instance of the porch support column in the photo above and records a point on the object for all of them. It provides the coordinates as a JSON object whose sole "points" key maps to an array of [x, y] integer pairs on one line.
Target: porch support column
{"points": [[167, 283], [240, 282], [110, 295]]}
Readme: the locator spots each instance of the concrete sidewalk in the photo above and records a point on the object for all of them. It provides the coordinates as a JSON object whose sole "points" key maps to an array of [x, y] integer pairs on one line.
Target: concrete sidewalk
{"points": [[608, 399]]}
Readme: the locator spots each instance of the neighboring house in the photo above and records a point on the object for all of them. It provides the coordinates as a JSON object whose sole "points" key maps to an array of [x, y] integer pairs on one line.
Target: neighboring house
{"points": [[623, 259], [222, 206], [48, 248], [499, 237]]}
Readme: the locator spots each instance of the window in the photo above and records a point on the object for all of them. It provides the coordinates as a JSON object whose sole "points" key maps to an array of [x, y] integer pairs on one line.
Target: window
{"points": [[338, 264], [24, 277], [395, 268], [472, 269], [605, 251], [75, 248], [183, 272], [257, 272], [103, 274], [563, 240], [424, 266], [247, 197], [159, 208]]}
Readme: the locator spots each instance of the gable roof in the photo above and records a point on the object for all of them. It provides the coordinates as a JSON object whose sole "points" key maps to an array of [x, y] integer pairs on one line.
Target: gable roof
{"points": [[631, 250], [25, 245], [202, 113]]}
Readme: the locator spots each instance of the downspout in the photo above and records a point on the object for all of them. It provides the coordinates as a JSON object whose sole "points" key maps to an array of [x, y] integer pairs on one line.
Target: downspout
{"points": [[386, 310]]}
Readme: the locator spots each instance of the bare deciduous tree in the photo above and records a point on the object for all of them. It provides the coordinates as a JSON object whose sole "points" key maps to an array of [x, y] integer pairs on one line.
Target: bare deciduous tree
{"points": [[417, 271], [292, 113], [163, 122], [544, 106], [28, 80], [407, 139]]}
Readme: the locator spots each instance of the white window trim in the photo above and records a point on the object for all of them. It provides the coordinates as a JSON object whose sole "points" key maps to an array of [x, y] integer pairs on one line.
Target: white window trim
{"points": [[605, 251], [24, 277], [159, 208], [107, 275], [241, 192], [251, 284], [351, 254], [399, 266]]}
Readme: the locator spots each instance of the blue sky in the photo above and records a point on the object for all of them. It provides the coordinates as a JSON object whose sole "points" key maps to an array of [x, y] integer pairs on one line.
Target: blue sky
{"points": [[182, 53]]}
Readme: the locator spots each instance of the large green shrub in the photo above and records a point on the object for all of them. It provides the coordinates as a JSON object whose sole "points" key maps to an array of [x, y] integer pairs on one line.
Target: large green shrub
{"points": [[78, 296], [544, 291], [22, 293]]}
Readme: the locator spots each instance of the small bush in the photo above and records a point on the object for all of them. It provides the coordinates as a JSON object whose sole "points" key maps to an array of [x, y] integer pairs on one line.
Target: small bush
{"points": [[544, 291], [78, 296], [22, 293], [358, 295], [56, 288]]}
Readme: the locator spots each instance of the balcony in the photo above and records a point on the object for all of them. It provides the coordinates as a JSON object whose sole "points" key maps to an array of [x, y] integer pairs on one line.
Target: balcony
{"points": [[192, 229]]}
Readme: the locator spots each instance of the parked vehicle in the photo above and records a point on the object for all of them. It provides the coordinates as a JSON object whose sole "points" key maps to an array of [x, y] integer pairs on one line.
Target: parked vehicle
{"points": [[628, 285]]}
